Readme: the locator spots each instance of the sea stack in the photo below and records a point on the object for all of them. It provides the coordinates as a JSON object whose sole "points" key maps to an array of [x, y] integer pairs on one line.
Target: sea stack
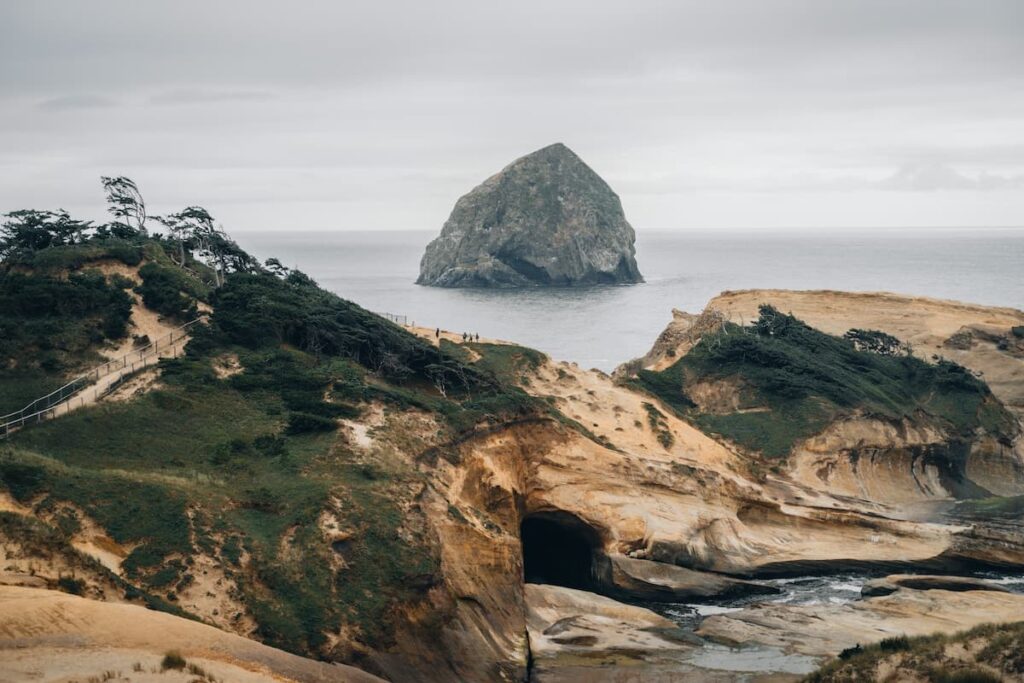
{"points": [[547, 219]]}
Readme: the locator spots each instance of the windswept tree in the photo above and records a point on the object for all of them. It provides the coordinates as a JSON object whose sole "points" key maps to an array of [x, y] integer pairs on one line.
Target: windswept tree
{"points": [[125, 205], [877, 342], [187, 228], [28, 230], [277, 268], [194, 228]]}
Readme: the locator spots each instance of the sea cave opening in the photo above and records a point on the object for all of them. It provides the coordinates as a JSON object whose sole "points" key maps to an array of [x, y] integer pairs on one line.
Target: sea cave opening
{"points": [[558, 549]]}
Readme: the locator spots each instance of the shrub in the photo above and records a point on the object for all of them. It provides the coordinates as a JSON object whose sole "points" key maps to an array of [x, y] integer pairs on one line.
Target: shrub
{"points": [[804, 379], [507, 362], [894, 644], [161, 290], [73, 257], [173, 660], [304, 423], [120, 281], [876, 342], [261, 311], [231, 551], [943, 675], [71, 585], [59, 319], [22, 480], [849, 652], [263, 500]]}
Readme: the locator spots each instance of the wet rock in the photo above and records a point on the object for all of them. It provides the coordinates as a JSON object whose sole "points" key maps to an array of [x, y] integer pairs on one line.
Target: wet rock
{"points": [[827, 629], [580, 636], [659, 582], [891, 584]]}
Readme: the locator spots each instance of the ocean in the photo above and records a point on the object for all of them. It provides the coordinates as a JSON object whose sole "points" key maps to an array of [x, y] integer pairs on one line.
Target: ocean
{"points": [[600, 327]]}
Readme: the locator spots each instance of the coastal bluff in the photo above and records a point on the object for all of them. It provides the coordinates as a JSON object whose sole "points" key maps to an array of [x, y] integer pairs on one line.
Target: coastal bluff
{"points": [[546, 219]]}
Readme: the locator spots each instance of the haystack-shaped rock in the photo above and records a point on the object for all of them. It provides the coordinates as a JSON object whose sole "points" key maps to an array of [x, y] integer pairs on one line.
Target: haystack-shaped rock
{"points": [[545, 219]]}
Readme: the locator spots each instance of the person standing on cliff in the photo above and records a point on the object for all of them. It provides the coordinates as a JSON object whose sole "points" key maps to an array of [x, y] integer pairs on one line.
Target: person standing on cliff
{"points": [[437, 333]]}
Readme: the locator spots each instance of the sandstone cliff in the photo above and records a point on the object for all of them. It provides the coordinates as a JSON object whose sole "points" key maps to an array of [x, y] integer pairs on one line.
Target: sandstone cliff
{"points": [[417, 538], [866, 451], [545, 219]]}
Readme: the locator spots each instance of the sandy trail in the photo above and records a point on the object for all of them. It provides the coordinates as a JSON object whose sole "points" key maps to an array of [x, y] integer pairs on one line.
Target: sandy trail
{"points": [[430, 334]]}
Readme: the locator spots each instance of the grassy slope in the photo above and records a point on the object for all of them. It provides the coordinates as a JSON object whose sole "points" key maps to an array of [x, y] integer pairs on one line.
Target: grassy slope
{"points": [[52, 325], [987, 654], [241, 468], [807, 379]]}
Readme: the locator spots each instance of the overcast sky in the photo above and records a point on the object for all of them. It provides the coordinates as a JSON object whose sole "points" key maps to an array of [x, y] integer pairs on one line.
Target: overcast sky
{"points": [[379, 115]]}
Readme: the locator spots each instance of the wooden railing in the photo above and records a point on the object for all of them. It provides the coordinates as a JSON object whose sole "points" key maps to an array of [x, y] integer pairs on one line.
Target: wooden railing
{"points": [[393, 317], [50, 405]]}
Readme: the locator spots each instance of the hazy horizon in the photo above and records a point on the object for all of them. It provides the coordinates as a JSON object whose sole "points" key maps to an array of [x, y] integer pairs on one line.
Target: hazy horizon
{"points": [[744, 114], [695, 230]]}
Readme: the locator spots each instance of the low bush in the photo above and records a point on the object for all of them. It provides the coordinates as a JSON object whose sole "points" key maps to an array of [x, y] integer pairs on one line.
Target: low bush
{"points": [[74, 256], [162, 290], [894, 644], [61, 319], [71, 585], [174, 661], [801, 379], [944, 675], [304, 423]]}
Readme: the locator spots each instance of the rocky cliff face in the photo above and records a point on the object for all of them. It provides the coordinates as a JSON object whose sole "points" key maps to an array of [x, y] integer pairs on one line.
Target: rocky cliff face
{"points": [[545, 219], [636, 501], [864, 453]]}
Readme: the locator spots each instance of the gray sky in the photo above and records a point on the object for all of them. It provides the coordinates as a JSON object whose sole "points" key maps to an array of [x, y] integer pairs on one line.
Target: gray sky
{"points": [[344, 115]]}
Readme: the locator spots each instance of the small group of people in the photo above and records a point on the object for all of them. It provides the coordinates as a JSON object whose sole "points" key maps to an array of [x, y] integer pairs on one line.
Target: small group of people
{"points": [[466, 336]]}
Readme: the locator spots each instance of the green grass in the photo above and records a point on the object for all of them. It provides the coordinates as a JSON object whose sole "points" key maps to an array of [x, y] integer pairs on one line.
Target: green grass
{"points": [[508, 362], [131, 511], [20, 387], [174, 428], [73, 257], [668, 385], [47, 542], [54, 324], [221, 447], [242, 468], [382, 568], [771, 433], [803, 379], [999, 646], [170, 291], [657, 423]]}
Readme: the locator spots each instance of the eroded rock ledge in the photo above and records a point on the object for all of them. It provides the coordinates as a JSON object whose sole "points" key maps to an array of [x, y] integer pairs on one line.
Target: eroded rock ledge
{"points": [[904, 611]]}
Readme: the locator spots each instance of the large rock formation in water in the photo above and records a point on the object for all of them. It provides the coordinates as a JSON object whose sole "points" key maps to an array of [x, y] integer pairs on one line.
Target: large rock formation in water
{"points": [[545, 219]]}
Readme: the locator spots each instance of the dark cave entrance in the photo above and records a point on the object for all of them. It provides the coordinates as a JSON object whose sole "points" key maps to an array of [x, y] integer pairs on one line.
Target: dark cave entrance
{"points": [[558, 549]]}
